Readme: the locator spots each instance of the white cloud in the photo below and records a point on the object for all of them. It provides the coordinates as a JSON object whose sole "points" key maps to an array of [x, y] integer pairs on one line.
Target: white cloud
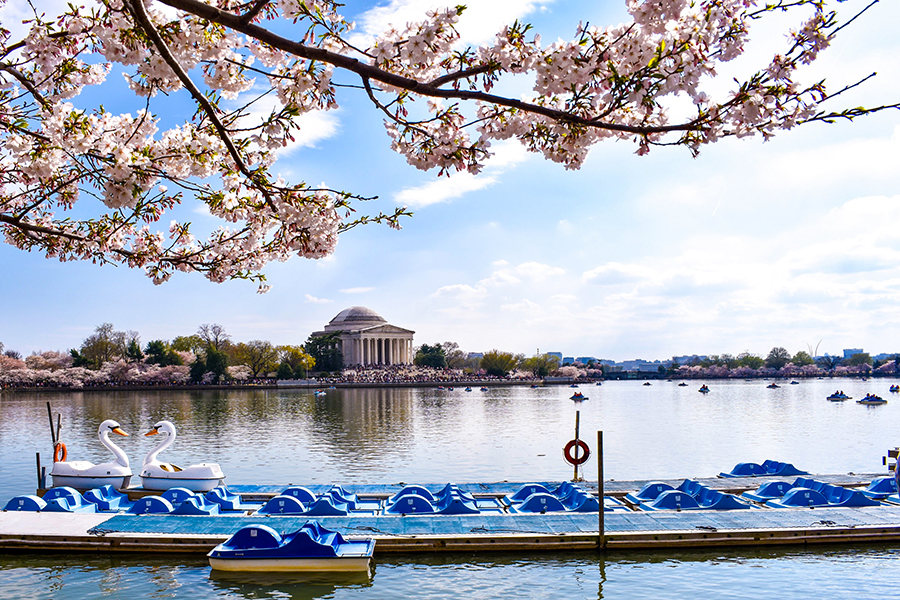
{"points": [[525, 306], [461, 292], [538, 271], [357, 290], [443, 189], [314, 300], [505, 155], [480, 22]]}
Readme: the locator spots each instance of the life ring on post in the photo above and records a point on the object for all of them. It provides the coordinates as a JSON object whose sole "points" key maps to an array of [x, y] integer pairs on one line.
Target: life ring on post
{"points": [[585, 452], [60, 454]]}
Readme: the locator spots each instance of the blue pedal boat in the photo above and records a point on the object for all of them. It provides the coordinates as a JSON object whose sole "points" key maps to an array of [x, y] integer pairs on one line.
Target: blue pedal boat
{"points": [[259, 548], [108, 499], [649, 492], [881, 488]]}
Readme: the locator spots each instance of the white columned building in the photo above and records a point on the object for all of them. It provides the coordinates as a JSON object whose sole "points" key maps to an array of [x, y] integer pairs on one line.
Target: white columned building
{"points": [[366, 338]]}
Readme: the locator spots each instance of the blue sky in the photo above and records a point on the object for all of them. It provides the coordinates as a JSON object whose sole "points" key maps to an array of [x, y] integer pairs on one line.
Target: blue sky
{"points": [[751, 245]]}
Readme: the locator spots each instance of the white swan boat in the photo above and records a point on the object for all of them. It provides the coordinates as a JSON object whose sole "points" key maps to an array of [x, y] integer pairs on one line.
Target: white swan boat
{"points": [[85, 475], [158, 475]]}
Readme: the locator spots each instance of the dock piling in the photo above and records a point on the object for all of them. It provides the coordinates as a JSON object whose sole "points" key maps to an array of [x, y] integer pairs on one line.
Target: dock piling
{"points": [[577, 422], [601, 530]]}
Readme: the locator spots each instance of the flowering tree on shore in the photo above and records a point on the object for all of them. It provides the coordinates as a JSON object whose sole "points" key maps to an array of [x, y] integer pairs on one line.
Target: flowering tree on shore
{"points": [[440, 102]]}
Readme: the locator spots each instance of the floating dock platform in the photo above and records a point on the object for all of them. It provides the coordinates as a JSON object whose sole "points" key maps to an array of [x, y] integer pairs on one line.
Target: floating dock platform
{"points": [[623, 530]]}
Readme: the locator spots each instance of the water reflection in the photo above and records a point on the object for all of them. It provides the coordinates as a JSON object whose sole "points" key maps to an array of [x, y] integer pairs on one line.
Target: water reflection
{"points": [[297, 586]]}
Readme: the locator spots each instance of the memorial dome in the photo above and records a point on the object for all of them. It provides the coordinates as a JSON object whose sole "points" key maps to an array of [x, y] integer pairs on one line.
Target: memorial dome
{"points": [[355, 317]]}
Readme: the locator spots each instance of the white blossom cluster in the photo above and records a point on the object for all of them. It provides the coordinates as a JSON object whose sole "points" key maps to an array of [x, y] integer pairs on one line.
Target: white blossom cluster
{"points": [[613, 82]]}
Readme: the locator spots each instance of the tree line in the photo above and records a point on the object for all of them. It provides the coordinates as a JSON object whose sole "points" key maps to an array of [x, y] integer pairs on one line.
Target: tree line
{"points": [[778, 358]]}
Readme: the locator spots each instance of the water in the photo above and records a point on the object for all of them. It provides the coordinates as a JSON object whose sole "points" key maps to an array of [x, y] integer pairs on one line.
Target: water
{"points": [[426, 435]]}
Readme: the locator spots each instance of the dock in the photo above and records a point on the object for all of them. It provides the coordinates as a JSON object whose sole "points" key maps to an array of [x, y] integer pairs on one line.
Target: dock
{"points": [[623, 530]]}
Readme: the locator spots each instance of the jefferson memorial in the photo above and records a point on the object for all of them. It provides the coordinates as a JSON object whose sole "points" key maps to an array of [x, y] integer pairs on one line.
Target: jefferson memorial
{"points": [[368, 339]]}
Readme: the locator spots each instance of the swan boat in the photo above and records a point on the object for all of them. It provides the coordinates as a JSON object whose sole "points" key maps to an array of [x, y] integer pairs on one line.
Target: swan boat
{"points": [[85, 475], [158, 475]]}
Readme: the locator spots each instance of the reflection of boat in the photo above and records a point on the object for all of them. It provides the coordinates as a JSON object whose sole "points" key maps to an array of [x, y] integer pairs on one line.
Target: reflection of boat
{"points": [[872, 399], [85, 475], [259, 548], [578, 396], [839, 396], [157, 475], [703, 389]]}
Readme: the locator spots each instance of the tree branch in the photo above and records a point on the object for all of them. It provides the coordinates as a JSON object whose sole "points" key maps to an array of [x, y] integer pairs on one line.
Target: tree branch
{"points": [[143, 19], [365, 71]]}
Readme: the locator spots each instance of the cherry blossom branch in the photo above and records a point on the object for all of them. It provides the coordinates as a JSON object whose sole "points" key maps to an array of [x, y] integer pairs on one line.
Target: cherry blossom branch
{"points": [[140, 14], [353, 65]]}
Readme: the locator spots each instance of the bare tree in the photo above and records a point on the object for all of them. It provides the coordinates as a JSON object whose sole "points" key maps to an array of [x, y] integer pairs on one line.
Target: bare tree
{"points": [[214, 335]]}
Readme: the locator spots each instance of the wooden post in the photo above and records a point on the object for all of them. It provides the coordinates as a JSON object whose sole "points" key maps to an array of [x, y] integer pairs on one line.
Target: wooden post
{"points": [[52, 430], [602, 526], [38, 459], [577, 422]]}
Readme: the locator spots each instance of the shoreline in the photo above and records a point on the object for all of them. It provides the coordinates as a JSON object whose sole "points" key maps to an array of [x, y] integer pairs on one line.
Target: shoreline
{"points": [[324, 385], [312, 385]]}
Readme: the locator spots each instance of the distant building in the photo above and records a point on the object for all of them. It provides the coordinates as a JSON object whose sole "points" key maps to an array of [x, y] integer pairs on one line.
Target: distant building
{"points": [[568, 360], [558, 355], [367, 339], [848, 352], [472, 355], [639, 364], [688, 359]]}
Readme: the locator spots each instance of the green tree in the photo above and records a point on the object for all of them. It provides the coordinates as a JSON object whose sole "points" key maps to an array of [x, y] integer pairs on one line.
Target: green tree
{"points": [[752, 361], [284, 371], [101, 346], [212, 361], [160, 353], [541, 365], [260, 356], [430, 356], [298, 359], [78, 360], [133, 351], [198, 368], [499, 363], [860, 358], [188, 343], [326, 351], [777, 358], [802, 358], [217, 363]]}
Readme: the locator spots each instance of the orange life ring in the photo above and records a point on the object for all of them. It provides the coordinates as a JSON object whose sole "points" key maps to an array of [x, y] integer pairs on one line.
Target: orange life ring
{"points": [[60, 454], [570, 458]]}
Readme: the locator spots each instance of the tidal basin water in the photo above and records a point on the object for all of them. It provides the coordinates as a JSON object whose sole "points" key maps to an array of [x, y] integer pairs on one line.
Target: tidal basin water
{"points": [[427, 435]]}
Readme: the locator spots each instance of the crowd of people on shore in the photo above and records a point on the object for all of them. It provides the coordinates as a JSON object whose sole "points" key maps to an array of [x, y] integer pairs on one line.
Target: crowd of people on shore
{"points": [[357, 374], [413, 374]]}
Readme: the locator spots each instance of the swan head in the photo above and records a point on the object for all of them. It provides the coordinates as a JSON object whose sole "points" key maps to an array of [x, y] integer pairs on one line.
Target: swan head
{"points": [[110, 426], [165, 427]]}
